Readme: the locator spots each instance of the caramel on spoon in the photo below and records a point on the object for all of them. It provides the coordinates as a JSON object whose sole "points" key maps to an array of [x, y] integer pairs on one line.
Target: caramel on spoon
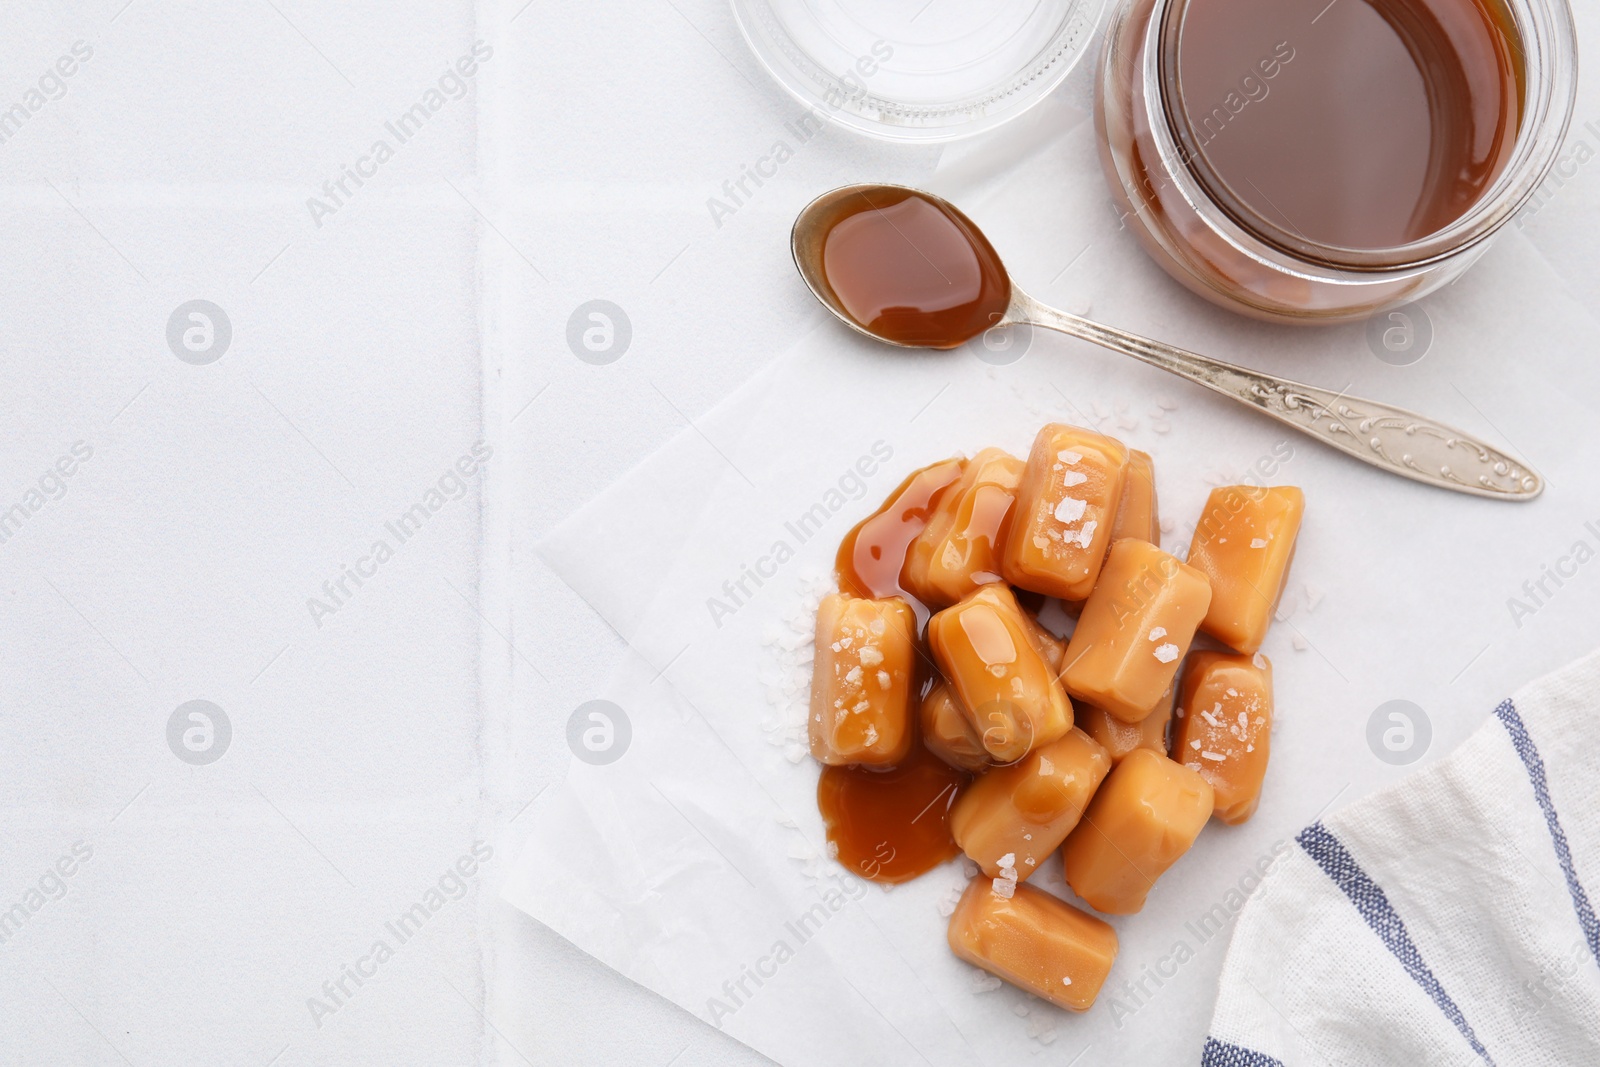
{"points": [[907, 268]]}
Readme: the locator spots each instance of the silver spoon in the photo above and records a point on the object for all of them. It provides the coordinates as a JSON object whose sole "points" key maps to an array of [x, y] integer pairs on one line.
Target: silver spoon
{"points": [[1389, 438]]}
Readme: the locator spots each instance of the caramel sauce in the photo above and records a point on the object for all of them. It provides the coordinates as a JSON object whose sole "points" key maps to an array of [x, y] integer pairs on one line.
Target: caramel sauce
{"points": [[873, 553], [890, 826], [913, 270], [1362, 125]]}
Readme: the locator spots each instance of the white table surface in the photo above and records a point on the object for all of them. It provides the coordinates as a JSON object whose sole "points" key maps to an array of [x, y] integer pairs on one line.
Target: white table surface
{"points": [[368, 354]]}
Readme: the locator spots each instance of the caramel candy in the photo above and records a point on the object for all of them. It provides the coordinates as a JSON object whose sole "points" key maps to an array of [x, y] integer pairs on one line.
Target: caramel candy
{"points": [[1244, 543], [1135, 627], [1225, 729], [1120, 738], [1136, 513], [861, 680], [1035, 941], [1065, 508], [959, 549], [1008, 691], [1012, 818], [872, 557], [1047, 644], [949, 733], [1143, 819]]}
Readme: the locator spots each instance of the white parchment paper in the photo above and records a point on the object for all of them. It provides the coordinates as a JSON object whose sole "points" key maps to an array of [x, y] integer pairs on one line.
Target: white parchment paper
{"points": [[694, 862]]}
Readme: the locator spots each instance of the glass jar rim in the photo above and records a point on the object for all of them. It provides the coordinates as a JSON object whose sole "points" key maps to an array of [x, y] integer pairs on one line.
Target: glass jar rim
{"points": [[1549, 52]]}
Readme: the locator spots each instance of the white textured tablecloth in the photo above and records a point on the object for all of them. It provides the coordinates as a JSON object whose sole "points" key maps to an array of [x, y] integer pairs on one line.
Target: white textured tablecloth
{"points": [[368, 354]]}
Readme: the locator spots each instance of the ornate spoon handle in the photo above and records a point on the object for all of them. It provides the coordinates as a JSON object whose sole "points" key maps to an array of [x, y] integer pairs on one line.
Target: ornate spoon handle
{"points": [[1393, 439]]}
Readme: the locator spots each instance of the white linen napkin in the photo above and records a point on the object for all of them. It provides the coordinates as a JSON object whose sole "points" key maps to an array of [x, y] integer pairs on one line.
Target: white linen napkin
{"points": [[1445, 920]]}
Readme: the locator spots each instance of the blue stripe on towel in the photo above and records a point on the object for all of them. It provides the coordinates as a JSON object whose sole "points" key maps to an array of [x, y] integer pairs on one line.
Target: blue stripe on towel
{"points": [[1222, 1054], [1373, 905], [1541, 792]]}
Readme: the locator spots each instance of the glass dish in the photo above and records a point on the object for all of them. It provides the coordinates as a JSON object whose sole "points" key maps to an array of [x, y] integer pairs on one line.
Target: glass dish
{"points": [[918, 70]]}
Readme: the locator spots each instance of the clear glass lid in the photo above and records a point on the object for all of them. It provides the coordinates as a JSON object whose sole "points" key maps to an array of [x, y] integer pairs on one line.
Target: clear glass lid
{"points": [[918, 70]]}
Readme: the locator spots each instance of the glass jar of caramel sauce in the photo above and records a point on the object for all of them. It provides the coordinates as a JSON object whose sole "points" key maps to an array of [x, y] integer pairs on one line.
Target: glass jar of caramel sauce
{"points": [[1315, 161]]}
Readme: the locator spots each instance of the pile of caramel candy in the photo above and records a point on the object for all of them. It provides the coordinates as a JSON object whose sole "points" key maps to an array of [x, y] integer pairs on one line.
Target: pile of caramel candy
{"points": [[1092, 745]]}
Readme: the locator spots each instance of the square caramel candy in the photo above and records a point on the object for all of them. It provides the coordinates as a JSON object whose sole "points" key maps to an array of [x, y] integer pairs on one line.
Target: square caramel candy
{"points": [[1225, 729], [1037, 942], [1119, 738], [1065, 508], [1135, 627], [948, 732], [1011, 819], [1136, 512], [1047, 644], [861, 680], [960, 547], [1010, 694], [1144, 818], [1244, 542]]}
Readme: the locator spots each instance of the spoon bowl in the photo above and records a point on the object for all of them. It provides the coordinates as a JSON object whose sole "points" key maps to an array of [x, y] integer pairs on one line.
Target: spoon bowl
{"points": [[900, 265], [908, 268]]}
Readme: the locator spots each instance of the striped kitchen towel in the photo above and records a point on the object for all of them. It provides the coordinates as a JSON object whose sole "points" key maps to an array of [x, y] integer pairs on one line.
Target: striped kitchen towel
{"points": [[1447, 920]]}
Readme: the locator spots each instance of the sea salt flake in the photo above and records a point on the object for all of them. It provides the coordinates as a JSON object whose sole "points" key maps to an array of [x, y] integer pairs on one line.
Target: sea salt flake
{"points": [[1258, 542], [1300, 643], [1005, 887], [983, 982], [870, 657], [1070, 509], [1158, 633], [1071, 478], [884, 681], [1210, 755], [1167, 653], [1068, 456], [1086, 533]]}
